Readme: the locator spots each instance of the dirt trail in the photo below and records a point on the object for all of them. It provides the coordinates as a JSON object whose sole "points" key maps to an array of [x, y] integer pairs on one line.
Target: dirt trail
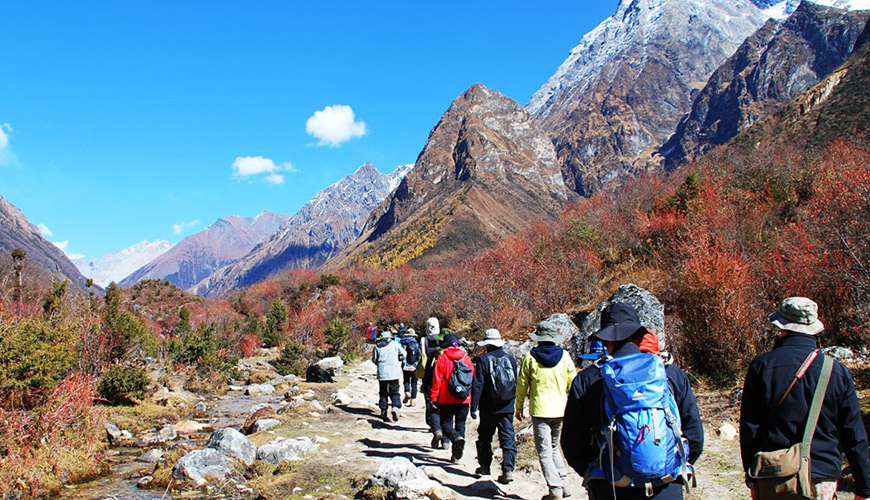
{"points": [[410, 438]]}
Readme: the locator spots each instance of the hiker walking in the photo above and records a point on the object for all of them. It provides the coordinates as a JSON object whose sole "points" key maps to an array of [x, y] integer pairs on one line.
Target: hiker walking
{"points": [[493, 393], [799, 410], [545, 377], [451, 394], [409, 366], [632, 426], [430, 346], [388, 355]]}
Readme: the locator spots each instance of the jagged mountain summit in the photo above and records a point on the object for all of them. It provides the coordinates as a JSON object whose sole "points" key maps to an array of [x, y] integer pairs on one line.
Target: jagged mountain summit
{"points": [[773, 66], [197, 256], [486, 172], [781, 9], [623, 89], [115, 266], [318, 231], [16, 231]]}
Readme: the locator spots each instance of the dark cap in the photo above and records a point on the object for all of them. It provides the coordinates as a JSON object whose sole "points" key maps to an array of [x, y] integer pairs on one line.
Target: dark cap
{"points": [[619, 321]]}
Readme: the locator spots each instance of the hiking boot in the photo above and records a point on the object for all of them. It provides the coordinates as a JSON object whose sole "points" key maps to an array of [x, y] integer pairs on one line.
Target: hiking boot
{"points": [[395, 415], [482, 471], [554, 494], [436, 441], [384, 416], [411, 402], [506, 477], [458, 448], [407, 398]]}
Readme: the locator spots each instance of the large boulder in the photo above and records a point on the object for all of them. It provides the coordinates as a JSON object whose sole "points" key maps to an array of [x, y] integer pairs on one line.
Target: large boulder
{"points": [[333, 365], [408, 481], [649, 309], [198, 464], [250, 422], [281, 449], [259, 389], [234, 444]]}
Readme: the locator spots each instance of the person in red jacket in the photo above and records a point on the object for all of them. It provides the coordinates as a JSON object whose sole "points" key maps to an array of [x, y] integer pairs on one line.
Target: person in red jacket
{"points": [[452, 410]]}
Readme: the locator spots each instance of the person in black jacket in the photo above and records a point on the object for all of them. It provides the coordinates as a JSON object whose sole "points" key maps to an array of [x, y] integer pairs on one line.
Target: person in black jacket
{"points": [[621, 333], [839, 426], [495, 411]]}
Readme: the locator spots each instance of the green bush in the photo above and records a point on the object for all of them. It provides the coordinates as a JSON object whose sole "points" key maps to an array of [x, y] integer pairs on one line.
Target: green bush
{"points": [[120, 384], [196, 348], [337, 334], [291, 361], [34, 357]]}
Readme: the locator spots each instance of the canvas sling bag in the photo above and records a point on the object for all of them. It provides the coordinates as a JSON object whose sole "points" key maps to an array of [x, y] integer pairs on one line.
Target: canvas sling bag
{"points": [[785, 474]]}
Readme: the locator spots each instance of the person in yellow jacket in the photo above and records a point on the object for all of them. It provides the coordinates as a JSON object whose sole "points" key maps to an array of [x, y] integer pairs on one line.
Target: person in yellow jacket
{"points": [[545, 378]]}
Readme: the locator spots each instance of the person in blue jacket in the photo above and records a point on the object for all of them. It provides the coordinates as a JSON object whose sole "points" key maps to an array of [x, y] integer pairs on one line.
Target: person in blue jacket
{"points": [[621, 333], [495, 366], [839, 427]]}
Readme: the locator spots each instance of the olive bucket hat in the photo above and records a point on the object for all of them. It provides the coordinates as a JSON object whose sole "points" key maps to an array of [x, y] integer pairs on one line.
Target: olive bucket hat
{"points": [[798, 314]]}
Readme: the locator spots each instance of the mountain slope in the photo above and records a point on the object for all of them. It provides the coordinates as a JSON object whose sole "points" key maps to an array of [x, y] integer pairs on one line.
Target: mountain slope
{"points": [[837, 107], [319, 230], [773, 66], [115, 266], [623, 89], [16, 231], [487, 171], [199, 255]]}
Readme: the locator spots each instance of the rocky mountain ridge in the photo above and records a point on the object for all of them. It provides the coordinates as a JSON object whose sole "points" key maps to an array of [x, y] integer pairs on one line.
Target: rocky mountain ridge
{"points": [[773, 66], [16, 231], [487, 171], [319, 230], [197, 256], [623, 89]]}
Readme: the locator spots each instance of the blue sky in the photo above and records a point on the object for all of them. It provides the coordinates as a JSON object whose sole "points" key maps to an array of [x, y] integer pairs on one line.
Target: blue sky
{"points": [[125, 121]]}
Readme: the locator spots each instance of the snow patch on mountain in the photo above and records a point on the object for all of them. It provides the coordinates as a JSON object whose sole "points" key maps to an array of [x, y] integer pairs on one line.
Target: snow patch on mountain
{"points": [[395, 177], [115, 266], [781, 9]]}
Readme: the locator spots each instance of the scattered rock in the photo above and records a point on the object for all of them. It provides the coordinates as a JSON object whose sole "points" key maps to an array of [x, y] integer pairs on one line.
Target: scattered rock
{"points": [[281, 449], [321, 440], [333, 365], [151, 456], [155, 437], [265, 424], [341, 398], [113, 433], [198, 464], [234, 444], [408, 481], [727, 432], [265, 412], [199, 411], [257, 407], [259, 389], [237, 387], [567, 329], [187, 427], [317, 406], [145, 482]]}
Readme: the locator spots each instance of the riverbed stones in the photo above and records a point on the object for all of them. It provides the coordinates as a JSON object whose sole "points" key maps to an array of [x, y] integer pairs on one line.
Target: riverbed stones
{"points": [[264, 424], [113, 433], [151, 456], [259, 389], [265, 412], [282, 449], [199, 411], [234, 444], [198, 464]]}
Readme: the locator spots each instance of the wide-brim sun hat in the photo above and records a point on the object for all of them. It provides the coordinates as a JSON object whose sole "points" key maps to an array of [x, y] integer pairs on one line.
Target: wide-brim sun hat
{"points": [[798, 314], [491, 337], [385, 334], [547, 331], [619, 321], [410, 333]]}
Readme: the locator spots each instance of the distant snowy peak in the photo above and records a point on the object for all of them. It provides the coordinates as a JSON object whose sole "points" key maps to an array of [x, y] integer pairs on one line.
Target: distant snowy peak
{"points": [[781, 9], [115, 266], [395, 177]]}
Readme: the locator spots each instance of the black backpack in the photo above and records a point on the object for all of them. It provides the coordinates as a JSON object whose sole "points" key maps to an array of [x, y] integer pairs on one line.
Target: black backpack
{"points": [[412, 349], [502, 378], [459, 383]]}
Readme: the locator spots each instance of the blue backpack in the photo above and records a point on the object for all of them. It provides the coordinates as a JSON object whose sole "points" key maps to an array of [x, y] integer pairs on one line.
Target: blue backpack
{"points": [[642, 444]]}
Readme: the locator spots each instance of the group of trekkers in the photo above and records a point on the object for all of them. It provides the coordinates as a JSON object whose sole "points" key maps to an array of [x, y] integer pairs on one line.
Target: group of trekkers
{"points": [[629, 422]]}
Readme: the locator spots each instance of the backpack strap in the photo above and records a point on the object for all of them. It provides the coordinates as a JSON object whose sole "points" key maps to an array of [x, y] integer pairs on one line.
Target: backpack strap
{"points": [[816, 406]]}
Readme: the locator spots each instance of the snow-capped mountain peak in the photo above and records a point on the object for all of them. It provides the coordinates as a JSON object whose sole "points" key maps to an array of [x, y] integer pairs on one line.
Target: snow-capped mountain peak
{"points": [[115, 266]]}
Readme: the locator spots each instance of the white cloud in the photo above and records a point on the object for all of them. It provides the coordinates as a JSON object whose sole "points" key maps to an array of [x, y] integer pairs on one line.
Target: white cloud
{"points": [[334, 125], [75, 256], [245, 167], [274, 179], [5, 130], [61, 244], [44, 230], [181, 226]]}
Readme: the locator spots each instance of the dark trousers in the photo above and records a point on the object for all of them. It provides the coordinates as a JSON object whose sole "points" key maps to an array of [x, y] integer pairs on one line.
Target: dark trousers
{"points": [[504, 422], [389, 389], [411, 383], [602, 490], [453, 419]]}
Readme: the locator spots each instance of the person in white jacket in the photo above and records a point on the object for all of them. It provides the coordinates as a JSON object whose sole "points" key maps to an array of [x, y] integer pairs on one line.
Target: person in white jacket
{"points": [[388, 355]]}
